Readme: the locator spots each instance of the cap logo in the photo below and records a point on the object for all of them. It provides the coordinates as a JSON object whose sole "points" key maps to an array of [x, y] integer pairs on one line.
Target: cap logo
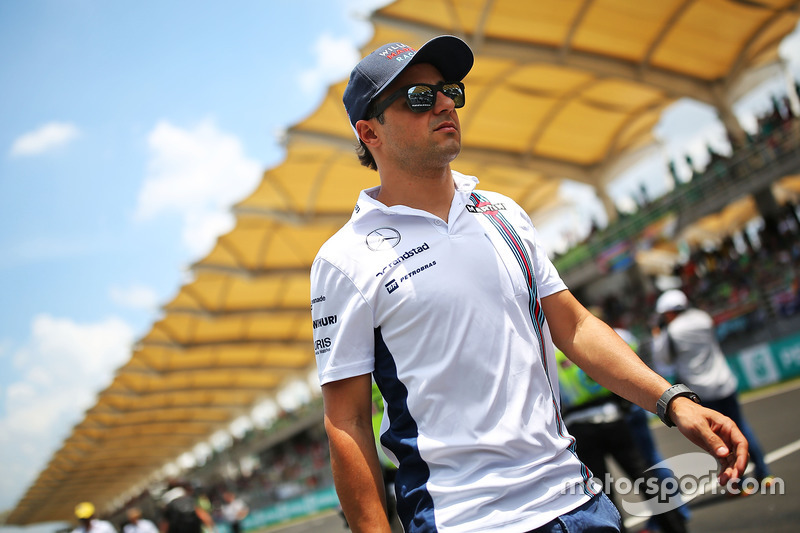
{"points": [[393, 52]]}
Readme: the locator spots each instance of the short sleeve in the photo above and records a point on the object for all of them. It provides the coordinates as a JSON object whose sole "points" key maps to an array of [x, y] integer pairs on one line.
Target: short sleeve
{"points": [[548, 279], [342, 321]]}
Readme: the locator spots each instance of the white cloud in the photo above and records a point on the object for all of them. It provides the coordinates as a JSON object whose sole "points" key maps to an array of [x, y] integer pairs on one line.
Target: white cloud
{"points": [[62, 366], [48, 137], [135, 297], [335, 58], [197, 173]]}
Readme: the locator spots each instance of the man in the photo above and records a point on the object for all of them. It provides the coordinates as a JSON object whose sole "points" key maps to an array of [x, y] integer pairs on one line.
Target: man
{"points": [[445, 295], [137, 524], [87, 523], [182, 513], [691, 346], [233, 510]]}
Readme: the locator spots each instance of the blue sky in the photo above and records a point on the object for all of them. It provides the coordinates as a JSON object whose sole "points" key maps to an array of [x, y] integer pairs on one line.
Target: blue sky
{"points": [[126, 132]]}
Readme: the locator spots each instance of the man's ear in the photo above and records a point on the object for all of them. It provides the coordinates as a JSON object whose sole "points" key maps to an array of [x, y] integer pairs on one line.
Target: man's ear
{"points": [[367, 133]]}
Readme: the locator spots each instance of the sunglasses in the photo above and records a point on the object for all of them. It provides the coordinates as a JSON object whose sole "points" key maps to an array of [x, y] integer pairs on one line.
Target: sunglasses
{"points": [[421, 97]]}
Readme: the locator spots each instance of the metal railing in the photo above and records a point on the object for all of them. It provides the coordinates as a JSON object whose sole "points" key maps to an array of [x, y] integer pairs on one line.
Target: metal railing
{"points": [[747, 171]]}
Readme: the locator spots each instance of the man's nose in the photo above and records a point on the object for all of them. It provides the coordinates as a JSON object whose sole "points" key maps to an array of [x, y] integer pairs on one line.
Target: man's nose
{"points": [[443, 102]]}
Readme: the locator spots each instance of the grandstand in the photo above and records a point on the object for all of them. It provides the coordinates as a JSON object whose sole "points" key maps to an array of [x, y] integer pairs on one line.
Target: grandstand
{"points": [[560, 91]]}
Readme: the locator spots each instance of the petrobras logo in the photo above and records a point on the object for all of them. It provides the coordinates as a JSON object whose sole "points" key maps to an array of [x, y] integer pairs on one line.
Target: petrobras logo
{"points": [[324, 321], [419, 270], [392, 286], [486, 208], [406, 255]]}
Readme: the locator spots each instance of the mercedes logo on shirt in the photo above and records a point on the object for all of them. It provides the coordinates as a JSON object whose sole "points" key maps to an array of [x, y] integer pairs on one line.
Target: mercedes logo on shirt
{"points": [[383, 239]]}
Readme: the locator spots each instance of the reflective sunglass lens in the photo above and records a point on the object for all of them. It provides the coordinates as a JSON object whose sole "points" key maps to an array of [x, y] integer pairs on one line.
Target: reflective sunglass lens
{"points": [[455, 93], [420, 98]]}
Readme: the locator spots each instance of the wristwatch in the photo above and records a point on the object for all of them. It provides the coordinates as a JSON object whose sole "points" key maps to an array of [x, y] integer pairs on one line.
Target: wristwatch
{"points": [[670, 394]]}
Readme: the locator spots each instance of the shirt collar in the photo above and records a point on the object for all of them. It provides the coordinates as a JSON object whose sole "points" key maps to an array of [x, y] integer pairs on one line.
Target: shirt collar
{"points": [[367, 204]]}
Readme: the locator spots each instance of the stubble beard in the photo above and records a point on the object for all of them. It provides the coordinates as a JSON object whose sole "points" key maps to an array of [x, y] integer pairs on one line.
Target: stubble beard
{"points": [[435, 157]]}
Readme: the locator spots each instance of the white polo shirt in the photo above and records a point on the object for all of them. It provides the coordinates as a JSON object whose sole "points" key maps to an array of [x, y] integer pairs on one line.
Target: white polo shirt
{"points": [[448, 318]]}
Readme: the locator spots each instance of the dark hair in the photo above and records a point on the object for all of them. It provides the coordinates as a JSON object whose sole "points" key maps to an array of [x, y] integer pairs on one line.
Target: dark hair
{"points": [[363, 153]]}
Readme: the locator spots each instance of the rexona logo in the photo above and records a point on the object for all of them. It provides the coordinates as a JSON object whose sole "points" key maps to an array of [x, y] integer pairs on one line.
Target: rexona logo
{"points": [[407, 255], [485, 208], [325, 321]]}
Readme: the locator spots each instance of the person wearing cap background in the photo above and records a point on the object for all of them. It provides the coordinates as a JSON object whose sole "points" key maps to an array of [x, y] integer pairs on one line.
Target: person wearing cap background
{"points": [[444, 295], [84, 512], [691, 345]]}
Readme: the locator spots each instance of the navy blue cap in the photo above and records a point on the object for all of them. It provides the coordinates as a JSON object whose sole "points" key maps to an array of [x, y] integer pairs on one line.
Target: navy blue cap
{"points": [[449, 54]]}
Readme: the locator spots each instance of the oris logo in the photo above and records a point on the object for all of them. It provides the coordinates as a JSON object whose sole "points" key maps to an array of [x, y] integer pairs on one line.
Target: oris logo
{"points": [[322, 345]]}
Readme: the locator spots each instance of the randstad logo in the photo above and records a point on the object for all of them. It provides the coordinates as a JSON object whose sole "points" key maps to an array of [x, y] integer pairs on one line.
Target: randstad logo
{"points": [[408, 254]]}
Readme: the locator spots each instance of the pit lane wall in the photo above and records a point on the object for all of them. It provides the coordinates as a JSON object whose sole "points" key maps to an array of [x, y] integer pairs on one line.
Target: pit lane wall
{"points": [[301, 506], [766, 363]]}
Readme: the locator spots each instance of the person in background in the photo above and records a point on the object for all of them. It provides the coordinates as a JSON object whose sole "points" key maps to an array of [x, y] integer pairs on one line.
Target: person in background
{"points": [[182, 513], [87, 523], [639, 423], [690, 344], [137, 524], [233, 510], [597, 419], [444, 293]]}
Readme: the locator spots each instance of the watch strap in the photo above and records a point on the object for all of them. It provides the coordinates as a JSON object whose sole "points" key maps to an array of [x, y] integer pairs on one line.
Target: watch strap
{"points": [[675, 391]]}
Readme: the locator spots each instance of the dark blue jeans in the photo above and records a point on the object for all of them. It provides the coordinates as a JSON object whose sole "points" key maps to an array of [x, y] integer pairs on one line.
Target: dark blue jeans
{"points": [[598, 515]]}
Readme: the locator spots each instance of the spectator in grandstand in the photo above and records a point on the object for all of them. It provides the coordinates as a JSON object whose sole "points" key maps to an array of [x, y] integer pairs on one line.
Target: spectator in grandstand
{"points": [[233, 510], [445, 295], [137, 524], [87, 523], [692, 347]]}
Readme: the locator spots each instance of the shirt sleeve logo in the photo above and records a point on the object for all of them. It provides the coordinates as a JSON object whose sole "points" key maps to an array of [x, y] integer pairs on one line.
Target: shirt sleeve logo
{"points": [[383, 239], [325, 321]]}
